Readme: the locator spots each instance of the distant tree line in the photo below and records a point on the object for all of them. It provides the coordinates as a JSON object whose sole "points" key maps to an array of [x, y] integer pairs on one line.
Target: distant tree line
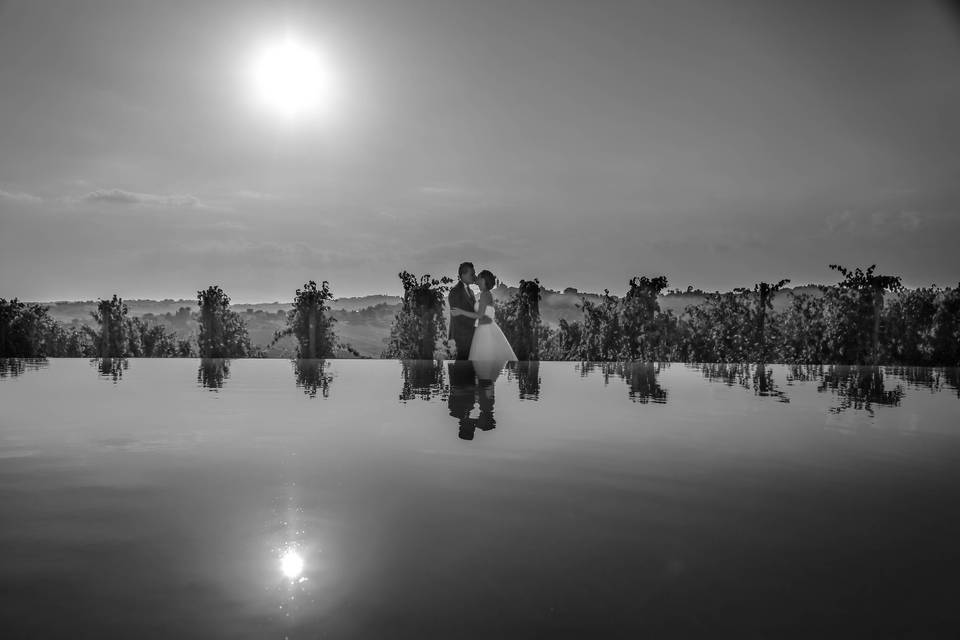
{"points": [[865, 318], [27, 330]]}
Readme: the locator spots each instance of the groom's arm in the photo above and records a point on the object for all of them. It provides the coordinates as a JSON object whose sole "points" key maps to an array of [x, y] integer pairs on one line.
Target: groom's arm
{"points": [[485, 299], [453, 299], [458, 306]]}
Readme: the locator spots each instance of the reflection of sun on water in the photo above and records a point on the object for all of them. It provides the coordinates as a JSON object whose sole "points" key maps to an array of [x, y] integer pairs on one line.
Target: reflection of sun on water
{"points": [[291, 564]]}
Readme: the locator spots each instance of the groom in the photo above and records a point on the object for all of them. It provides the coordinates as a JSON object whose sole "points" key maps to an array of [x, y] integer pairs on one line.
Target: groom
{"points": [[462, 315]]}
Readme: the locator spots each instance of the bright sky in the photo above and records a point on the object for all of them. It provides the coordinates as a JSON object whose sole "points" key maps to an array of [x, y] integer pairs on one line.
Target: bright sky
{"points": [[578, 142]]}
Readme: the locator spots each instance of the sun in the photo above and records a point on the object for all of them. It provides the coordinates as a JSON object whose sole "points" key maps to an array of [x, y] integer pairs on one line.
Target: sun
{"points": [[292, 78], [291, 564]]}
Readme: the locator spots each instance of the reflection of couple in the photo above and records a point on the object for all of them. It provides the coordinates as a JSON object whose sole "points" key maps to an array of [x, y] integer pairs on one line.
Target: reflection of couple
{"points": [[472, 323], [465, 392]]}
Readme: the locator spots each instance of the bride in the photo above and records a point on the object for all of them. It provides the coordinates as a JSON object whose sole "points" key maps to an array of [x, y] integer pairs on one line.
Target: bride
{"points": [[489, 348]]}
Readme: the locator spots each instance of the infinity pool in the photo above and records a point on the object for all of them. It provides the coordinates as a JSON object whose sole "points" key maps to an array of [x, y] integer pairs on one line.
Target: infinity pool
{"points": [[383, 499]]}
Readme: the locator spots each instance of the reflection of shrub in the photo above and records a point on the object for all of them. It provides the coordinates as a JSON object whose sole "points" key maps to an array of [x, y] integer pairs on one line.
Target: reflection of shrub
{"points": [[312, 377], [421, 379], [212, 372], [419, 328], [14, 367], [641, 378], [112, 368], [859, 387], [527, 374], [746, 375]]}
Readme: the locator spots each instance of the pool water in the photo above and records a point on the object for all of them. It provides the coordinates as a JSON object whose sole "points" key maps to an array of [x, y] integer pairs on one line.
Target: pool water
{"points": [[179, 498]]}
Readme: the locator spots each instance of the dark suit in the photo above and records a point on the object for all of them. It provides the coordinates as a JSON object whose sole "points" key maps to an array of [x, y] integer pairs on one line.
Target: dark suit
{"points": [[463, 396], [461, 327]]}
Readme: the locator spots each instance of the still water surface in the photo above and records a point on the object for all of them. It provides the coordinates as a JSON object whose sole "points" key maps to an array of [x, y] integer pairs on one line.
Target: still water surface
{"points": [[382, 499]]}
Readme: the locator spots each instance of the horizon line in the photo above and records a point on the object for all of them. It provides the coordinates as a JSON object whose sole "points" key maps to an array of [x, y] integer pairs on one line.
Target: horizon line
{"points": [[669, 291]]}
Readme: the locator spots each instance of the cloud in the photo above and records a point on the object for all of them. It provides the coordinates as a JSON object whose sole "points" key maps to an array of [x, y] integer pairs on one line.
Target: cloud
{"points": [[249, 194], [456, 196], [910, 220], [842, 221], [223, 225], [119, 196], [447, 190], [880, 222], [265, 254], [17, 196]]}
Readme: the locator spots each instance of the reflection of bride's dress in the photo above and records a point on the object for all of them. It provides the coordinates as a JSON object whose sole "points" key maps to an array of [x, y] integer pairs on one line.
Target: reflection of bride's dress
{"points": [[489, 349]]}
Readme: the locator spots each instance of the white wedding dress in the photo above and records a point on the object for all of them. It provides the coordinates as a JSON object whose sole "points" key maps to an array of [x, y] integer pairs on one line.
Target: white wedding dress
{"points": [[489, 349]]}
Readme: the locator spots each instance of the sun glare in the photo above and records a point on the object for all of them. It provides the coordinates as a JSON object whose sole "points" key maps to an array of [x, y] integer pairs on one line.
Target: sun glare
{"points": [[291, 564], [292, 78]]}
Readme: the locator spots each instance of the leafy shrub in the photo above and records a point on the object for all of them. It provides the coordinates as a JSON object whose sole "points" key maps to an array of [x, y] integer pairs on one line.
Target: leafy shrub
{"points": [[311, 323], [419, 328], [223, 333]]}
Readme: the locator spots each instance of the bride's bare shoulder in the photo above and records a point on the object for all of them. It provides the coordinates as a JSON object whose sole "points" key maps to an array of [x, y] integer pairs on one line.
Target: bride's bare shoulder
{"points": [[486, 296]]}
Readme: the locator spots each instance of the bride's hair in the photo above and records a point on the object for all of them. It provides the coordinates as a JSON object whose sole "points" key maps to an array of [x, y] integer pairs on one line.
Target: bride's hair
{"points": [[488, 278]]}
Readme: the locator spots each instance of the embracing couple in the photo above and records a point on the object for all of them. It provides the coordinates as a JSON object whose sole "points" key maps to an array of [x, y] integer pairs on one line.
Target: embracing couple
{"points": [[472, 319]]}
